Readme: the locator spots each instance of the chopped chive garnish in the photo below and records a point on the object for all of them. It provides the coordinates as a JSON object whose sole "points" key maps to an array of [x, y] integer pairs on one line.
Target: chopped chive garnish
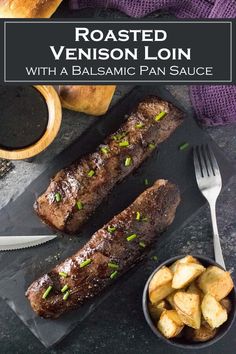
{"points": [[91, 173], [65, 288], [131, 237], [79, 205], [113, 265], [139, 125], [113, 274], [63, 274], [151, 146], [128, 161], [124, 143], [45, 294], [142, 244], [119, 136], [139, 218], [58, 197], [160, 116], [154, 258], [183, 146], [146, 182], [105, 150], [85, 263], [66, 295], [111, 229]]}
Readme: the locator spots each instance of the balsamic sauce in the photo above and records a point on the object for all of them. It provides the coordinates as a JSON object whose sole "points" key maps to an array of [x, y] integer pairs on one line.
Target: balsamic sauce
{"points": [[23, 116]]}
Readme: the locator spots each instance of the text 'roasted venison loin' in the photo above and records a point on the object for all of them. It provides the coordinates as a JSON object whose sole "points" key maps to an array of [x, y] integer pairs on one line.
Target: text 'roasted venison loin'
{"points": [[76, 191], [110, 252]]}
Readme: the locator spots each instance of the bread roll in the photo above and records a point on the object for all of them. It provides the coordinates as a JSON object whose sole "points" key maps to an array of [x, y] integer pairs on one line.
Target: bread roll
{"points": [[28, 8], [93, 100]]}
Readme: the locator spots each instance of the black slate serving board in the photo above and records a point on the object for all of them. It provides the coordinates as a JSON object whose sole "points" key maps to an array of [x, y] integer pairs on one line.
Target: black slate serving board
{"points": [[19, 268]]}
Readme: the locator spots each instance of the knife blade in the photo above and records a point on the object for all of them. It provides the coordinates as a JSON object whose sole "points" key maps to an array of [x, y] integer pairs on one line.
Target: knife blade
{"points": [[8, 243]]}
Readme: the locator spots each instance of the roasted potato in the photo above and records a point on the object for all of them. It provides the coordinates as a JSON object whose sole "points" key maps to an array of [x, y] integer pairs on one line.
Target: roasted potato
{"points": [[160, 293], [193, 289], [170, 325], [203, 334], [186, 259], [160, 285], [163, 276], [188, 308], [185, 274], [188, 296], [227, 305], [156, 310], [213, 312], [216, 282], [170, 299]]}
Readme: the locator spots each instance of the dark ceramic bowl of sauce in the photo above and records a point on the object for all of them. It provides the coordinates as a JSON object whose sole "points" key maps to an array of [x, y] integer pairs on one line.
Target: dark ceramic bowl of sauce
{"points": [[29, 121], [181, 342]]}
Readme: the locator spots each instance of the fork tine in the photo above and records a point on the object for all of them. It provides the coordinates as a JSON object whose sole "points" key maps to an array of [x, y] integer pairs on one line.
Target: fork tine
{"points": [[203, 163], [198, 171], [214, 164], [207, 160]]}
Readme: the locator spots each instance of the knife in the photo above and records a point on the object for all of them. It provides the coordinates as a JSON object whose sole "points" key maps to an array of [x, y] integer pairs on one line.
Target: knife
{"points": [[8, 243]]}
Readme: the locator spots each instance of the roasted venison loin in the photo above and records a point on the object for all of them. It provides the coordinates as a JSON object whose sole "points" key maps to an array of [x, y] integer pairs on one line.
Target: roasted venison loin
{"points": [[111, 251], [76, 191]]}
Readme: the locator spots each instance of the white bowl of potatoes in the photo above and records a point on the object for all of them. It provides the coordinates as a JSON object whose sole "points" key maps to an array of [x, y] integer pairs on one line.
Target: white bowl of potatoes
{"points": [[189, 301]]}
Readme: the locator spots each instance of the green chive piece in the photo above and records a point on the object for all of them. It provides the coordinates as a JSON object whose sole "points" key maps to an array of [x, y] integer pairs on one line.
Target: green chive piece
{"points": [[113, 265], [154, 258], [91, 173], [79, 205], [85, 263], [124, 143], [160, 116], [65, 288], [151, 146], [142, 244], [139, 125], [63, 274], [131, 237], [58, 197], [119, 136], [104, 150], [66, 295], [138, 215], [146, 182], [183, 146], [145, 219], [128, 161], [45, 294], [111, 229], [113, 274]]}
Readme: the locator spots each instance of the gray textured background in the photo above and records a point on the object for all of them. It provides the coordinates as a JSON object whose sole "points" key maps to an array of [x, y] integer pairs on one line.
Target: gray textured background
{"points": [[118, 327]]}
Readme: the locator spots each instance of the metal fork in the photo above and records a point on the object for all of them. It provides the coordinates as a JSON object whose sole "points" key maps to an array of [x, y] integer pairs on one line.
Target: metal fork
{"points": [[210, 183]]}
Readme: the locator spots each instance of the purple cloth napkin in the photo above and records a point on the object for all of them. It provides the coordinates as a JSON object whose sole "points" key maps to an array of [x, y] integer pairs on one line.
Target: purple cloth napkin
{"points": [[214, 105]]}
